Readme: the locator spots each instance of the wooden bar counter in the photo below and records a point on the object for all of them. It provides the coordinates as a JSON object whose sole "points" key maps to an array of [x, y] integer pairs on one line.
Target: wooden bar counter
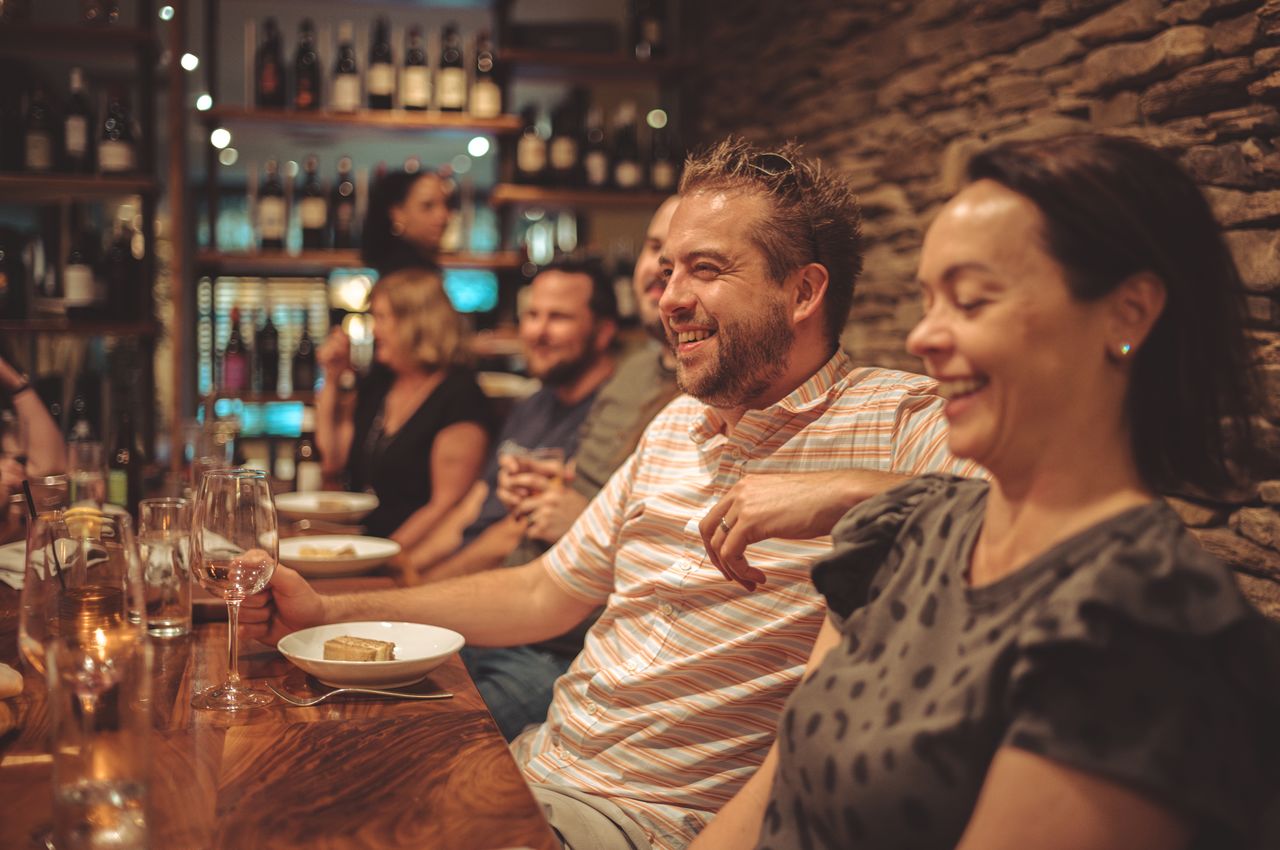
{"points": [[351, 772]]}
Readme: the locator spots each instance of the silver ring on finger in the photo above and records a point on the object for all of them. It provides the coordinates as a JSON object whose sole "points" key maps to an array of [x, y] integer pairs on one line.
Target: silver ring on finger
{"points": [[725, 525]]}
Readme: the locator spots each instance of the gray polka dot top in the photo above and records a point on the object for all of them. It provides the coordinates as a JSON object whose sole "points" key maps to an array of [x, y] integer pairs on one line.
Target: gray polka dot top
{"points": [[1125, 651]]}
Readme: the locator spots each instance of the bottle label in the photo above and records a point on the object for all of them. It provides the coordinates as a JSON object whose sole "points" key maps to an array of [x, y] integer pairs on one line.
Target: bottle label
{"points": [[271, 218], [597, 168], [415, 87], [118, 487], [344, 216], [235, 373], [627, 174], [314, 213], [663, 175], [114, 155], [531, 154], [382, 79], [486, 99], [76, 133], [564, 153], [305, 96], [77, 285], [651, 31], [346, 93], [39, 150], [308, 478], [453, 88]]}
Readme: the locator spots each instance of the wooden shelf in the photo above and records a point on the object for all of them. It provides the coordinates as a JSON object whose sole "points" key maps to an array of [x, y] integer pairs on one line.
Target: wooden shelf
{"points": [[260, 397], [79, 327], [516, 194], [50, 187], [71, 39], [583, 66], [277, 262], [391, 119]]}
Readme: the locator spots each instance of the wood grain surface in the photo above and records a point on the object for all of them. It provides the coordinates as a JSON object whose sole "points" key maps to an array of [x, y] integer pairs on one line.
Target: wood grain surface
{"points": [[350, 772]]}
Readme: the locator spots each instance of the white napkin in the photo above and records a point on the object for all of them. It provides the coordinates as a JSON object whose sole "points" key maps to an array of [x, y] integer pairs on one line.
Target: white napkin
{"points": [[12, 556], [10, 681]]}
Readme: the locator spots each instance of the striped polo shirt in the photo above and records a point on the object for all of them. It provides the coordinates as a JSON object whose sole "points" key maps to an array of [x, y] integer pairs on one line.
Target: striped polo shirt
{"points": [[673, 702]]}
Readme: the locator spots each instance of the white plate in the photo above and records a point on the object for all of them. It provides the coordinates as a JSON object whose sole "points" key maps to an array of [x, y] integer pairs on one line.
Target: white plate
{"points": [[419, 650], [370, 552], [333, 505]]}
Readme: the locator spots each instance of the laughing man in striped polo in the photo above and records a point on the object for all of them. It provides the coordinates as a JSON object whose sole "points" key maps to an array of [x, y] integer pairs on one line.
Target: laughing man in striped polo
{"points": [[673, 702]]}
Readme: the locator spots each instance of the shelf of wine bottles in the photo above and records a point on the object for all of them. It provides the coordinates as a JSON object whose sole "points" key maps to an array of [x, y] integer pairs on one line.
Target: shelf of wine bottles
{"points": [[80, 327], [275, 262], [48, 188], [516, 194], [382, 120], [71, 39]]}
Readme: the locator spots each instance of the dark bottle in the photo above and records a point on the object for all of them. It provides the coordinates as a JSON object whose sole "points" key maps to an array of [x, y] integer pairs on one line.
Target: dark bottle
{"points": [[304, 361], [313, 208], [307, 474], [78, 285], [100, 12], [648, 29], [116, 150], [235, 359], [122, 275], [124, 465], [81, 426], [595, 155], [451, 85], [486, 95], [77, 128], [346, 73], [664, 165], [531, 149], [13, 290], [627, 171], [38, 136], [306, 69], [266, 356], [382, 68], [342, 206], [268, 69], [415, 76], [272, 214], [563, 151]]}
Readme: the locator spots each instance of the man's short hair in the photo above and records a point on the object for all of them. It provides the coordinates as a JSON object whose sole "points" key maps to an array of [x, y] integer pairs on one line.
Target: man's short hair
{"points": [[815, 217], [604, 300]]}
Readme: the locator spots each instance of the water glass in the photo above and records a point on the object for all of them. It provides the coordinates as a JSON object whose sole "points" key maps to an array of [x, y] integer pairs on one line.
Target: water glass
{"points": [[164, 546], [50, 492], [87, 468]]}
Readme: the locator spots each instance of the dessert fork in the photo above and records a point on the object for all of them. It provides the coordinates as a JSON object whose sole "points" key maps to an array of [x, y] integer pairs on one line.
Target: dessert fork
{"points": [[306, 701]]}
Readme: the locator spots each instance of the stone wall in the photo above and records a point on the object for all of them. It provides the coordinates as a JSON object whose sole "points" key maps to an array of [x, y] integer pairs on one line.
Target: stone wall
{"points": [[898, 94]]}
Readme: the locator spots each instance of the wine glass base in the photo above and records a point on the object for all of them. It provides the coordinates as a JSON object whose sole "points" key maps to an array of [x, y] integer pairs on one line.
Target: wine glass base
{"points": [[228, 697]]}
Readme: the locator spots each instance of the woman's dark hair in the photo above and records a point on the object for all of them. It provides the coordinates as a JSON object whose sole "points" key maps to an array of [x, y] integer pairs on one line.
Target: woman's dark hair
{"points": [[379, 247], [1113, 208]]}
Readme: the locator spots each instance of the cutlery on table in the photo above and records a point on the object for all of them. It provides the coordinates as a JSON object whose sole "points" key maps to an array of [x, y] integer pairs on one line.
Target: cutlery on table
{"points": [[306, 701]]}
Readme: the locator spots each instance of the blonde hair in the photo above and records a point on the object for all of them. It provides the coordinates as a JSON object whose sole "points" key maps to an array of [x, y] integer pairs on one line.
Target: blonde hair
{"points": [[430, 331]]}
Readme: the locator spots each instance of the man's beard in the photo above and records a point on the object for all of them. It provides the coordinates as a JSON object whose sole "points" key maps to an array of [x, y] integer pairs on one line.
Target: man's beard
{"points": [[567, 371], [752, 354]]}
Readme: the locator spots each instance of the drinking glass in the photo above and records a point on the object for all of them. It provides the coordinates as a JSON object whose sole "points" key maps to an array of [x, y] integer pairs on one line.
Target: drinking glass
{"points": [[82, 578], [86, 466], [233, 554], [164, 544]]}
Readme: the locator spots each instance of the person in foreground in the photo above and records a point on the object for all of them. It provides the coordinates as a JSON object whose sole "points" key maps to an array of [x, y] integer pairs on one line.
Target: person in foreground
{"points": [[1048, 660], [671, 705]]}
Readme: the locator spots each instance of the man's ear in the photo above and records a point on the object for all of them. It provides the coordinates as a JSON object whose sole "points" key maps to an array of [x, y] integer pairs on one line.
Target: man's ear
{"points": [[1133, 308], [605, 331], [810, 292]]}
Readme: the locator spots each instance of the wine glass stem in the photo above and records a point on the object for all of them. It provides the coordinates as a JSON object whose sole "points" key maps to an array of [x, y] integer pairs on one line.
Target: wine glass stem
{"points": [[233, 642]]}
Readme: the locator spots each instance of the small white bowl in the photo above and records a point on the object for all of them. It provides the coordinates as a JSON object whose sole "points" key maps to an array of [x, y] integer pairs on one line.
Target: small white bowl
{"points": [[370, 552], [331, 505], [419, 650]]}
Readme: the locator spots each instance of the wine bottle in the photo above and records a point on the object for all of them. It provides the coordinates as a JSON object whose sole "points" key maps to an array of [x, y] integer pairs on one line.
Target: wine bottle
{"points": [[100, 12], [116, 150], [648, 32], [346, 73], [268, 69], [342, 206], [627, 172], [307, 474], [124, 465], [39, 133], [13, 290], [313, 208], [306, 69], [122, 275], [272, 214], [531, 149], [663, 165], [563, 150], [595, 155], [382, 68], [304, 361], [486, 95], [415, 76], [266, 355], [235, 360], [77, 123], [452, 81], [78, 287]]}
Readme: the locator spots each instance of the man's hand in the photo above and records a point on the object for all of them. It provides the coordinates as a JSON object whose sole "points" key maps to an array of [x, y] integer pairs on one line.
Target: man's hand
{"points": [[789, 505], [520, 479], [289, 603], [552, 513]]}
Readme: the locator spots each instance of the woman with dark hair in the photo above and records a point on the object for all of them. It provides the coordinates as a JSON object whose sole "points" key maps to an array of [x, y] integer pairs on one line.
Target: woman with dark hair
{"points": [[407, 216], [1047, 660], [417, 432]]}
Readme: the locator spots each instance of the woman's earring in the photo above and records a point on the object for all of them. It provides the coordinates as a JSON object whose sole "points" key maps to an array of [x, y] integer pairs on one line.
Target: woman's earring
{"points": [[1125, 349], [397, 228]]}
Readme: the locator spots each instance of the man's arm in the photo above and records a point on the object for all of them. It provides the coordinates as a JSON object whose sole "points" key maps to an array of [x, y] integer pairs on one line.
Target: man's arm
{"points": [[446, 537], [486, 552], [497, 608]]}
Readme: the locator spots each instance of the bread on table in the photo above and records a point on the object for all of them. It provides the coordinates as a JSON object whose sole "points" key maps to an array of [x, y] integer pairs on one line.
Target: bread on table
{"points": [[348, 648]]}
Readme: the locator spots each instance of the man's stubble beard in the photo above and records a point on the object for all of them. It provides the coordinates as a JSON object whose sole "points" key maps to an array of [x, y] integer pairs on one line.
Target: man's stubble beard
{"points": [[753, 354]]}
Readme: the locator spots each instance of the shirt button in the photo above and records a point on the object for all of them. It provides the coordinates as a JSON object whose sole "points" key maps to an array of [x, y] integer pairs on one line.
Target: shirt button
{"points": [[631, 666], [592, 708], [667, 609]]}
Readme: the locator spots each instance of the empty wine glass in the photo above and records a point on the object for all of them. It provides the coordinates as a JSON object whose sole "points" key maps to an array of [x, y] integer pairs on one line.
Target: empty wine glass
{"points": [[233, 554]]}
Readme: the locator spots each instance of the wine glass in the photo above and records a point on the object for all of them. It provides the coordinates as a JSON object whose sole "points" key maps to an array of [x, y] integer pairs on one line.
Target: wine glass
{"points": [[233, 554]]}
